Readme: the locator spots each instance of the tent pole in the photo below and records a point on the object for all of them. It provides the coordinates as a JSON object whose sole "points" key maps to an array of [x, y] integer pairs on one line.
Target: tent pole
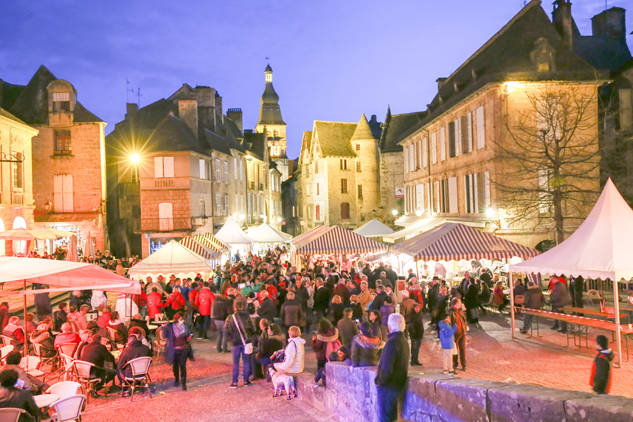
{"points": [[512, 304], [616, 307], [26, 337]]}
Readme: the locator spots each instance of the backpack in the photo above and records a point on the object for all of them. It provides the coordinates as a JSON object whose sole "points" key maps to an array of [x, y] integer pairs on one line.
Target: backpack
{"points": [[332, 346], [251, 308]]}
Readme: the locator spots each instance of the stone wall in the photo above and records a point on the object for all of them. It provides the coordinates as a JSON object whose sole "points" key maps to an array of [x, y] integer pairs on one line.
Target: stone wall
{"points": [[351, 397]]}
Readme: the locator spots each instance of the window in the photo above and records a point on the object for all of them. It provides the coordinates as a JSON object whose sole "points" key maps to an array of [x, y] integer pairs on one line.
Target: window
{"points": [[471, 203], [452, 152], [62, 142], [433, 147], [448, 196], [357, 147], [63, 192], [406, 159], [419, 197], [360, 191], [481, 133], [343, 185], [165, 216], [343, 164], [226, 204], [443, 143], [201, 208], [412, 157], [241, 169], [203, 168], [308, 189], [18, 170], [218, 171], [61, 101], [344, 210], [234, 168], [163, 167], [467, 133], [226, 172], [316, 167], [418, 155], [358, 166], [218, 204], [317, 212], [317, 189]]}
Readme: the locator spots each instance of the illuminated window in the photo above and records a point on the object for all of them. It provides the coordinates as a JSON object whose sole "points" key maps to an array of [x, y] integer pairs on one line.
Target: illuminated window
{"points": [[62, 142]]}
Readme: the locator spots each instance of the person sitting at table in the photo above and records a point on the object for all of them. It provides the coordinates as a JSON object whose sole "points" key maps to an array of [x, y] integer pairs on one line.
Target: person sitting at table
{"points": [[30, 325], [43, 336], [94, 327], [116, 324], [11, 396], [97, 354], [60, 316], [104, 318], [15, 332], [66, 336], [79, 317], [138, 321], [140, 333], [86, 337], [31, 383], [499, 297], [134, 349]]}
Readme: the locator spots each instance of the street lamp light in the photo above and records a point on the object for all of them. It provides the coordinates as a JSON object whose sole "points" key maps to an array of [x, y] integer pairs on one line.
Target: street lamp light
{"points": [[418, 212], [394, 212], [490, 213], [135, 158]]}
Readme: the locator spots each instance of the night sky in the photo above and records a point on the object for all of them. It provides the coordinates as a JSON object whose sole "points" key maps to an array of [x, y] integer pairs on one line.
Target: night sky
{"points": [[332, 60]]}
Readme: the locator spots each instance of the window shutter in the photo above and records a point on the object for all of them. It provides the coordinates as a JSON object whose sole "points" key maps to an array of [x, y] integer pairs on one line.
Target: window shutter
{"points": [[452, 195], [158, 167], [464, 133], [419, 197], [425, 157], [203, 167], [475, 195], [241, 169], [481, 194], [226, 204], [436, 196], [458, 137], [442, 143], [226, 172], [469, 132], [412, 157], [481, 128], [234, 168], [487, 188], [434, 147], [467, 193], [406, 159], [67, 192], [168, 163], [58, 199]]}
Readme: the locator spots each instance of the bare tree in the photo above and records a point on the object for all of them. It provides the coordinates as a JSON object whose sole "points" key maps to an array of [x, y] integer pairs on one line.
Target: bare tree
{"points": [[549, 157]]}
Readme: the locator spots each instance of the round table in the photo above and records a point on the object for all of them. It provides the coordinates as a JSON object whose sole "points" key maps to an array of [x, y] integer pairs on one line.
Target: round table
{"points": [[152, 327], [45, 400]]}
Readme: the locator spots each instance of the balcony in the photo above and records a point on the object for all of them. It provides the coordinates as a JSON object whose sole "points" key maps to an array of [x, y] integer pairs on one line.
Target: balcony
{"points": [[17, 198], [166, 183], [165, 224]]}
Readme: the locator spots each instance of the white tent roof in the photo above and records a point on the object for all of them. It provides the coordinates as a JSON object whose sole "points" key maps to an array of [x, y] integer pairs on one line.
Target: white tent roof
{"points": [[232, 234], [373, 228], [173, 258], [600, 248], [268, 234]]}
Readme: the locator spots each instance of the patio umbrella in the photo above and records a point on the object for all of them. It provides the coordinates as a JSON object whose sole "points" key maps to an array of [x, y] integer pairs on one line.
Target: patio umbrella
{"points": [[72, 250], [89, 249], [26, 234], [57, 232]]}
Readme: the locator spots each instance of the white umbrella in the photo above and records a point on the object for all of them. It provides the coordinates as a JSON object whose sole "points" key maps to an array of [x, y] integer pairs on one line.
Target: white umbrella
{"points": [[26, 234], [72, 250]]}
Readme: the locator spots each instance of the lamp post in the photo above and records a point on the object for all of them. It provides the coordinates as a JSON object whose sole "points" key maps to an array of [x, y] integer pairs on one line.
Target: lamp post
{"points": [[490, 213]]}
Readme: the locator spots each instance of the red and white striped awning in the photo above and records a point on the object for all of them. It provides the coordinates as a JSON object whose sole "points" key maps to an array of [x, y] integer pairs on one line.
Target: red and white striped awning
{"points": [[205, 252], [212, 242], [458, 241], [337, 240]]}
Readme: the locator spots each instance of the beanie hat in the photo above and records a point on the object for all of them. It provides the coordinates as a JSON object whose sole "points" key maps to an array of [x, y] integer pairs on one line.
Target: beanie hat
{"points": [[603, 342]]}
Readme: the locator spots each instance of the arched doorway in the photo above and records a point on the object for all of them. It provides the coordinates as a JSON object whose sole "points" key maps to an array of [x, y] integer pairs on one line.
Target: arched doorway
{"points": [[19, 246]]}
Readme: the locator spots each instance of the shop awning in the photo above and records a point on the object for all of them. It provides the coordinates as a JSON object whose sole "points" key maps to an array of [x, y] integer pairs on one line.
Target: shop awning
{"points": [[420, 227], [268, 234], [374, 228], [407, 220], [338, 240], [173, 258], [212, 242], [68, 217], [205, 252]]}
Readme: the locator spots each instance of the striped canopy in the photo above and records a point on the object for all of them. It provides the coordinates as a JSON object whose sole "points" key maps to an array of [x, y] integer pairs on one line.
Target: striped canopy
{"points": [[458, 241], [211, 242], [337, 240], [202, 250], [308, 236]]}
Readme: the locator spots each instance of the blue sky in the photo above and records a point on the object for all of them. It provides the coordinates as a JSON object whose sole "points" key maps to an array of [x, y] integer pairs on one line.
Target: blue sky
{"points": [[332, 60]]}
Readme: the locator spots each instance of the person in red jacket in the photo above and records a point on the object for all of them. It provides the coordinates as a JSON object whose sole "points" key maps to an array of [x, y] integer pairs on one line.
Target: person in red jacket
{"points": [[175, 302], [154, 303], [204, 299]]}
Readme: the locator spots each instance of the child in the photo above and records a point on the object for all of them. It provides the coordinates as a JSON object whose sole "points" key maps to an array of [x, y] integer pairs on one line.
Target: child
{"points": [[601, 371], [447, 339]]}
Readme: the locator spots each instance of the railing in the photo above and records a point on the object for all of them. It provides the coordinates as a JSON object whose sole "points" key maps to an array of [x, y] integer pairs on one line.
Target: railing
{"points": [[165, 224], [17, 198]]}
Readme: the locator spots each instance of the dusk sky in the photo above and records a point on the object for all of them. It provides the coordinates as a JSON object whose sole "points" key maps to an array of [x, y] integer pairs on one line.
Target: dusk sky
{"points": [[332, 60]]}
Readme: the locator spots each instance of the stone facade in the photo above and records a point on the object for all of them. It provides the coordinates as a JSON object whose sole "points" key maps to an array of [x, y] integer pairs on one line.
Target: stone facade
{"points": [[16, 188], [390, 180]]}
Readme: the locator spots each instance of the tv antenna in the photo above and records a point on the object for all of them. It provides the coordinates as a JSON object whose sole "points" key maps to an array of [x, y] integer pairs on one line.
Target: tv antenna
{"points": [[138, 96], [128, 90]]}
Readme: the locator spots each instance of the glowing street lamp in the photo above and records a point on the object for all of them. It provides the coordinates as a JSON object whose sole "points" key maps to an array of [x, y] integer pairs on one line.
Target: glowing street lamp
{"points": [[135, 158], [490, 213], [418, 212], [394, 212]]}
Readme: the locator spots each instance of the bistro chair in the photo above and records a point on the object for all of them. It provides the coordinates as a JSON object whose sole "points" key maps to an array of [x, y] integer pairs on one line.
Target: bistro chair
{"points": [[67, 362], [11, 414], [7, 341], [85, 379], [31, 365], [140, 375], [159, 342], [68, 349], [37, 349], [64, 389], [4, 351], [68, 409]]}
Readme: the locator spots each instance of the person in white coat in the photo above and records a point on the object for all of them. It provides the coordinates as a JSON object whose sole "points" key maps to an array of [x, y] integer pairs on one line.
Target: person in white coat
{"points": [[294, 354], [99, 300]]}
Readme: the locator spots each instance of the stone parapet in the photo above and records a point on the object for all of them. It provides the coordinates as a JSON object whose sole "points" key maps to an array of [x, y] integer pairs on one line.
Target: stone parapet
{"points": [[351, 397]]}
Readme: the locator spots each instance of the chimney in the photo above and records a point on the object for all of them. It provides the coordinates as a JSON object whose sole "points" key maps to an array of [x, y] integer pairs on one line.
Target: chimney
{"points": [[188, 111], [610, 23], [235, 114], [440, 82], [131, 109], [563, 22]]}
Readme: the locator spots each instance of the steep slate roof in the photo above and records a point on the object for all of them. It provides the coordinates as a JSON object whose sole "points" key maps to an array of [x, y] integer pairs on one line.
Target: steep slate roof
{"points": [[256, 143], [334, 138], [10, 116], [397, 127], [506, 56], [602, 52], [362, 131], [306, 143], [9, 93], [32, 103]]}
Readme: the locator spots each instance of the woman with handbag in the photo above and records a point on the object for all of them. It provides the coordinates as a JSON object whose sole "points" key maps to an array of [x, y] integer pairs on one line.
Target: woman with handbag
{"points": [[178, 348], [240, 329]]}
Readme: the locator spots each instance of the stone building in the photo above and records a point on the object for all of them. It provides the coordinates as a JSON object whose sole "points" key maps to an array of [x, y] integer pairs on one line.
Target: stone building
{"points": [[69, 180], [16, 182], [338, 174], [271, 123], [257, 175], [175, 168], [452, 158]]}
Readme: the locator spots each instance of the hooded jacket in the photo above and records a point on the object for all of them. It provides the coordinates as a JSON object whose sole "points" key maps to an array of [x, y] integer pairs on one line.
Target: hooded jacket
{"points": [[204, 300], [447, 334], [366, 350], [560, 297], [533, 298], [220, 308], [320, 341], [601, 372], [295, 355]]}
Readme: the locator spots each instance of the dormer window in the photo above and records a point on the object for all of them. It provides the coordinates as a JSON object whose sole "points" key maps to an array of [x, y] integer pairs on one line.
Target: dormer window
{"points": [[61, 101], [543, 56]]}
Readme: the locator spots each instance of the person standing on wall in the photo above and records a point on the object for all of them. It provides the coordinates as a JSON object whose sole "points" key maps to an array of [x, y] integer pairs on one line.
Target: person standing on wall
{"points": [[393, 369]]}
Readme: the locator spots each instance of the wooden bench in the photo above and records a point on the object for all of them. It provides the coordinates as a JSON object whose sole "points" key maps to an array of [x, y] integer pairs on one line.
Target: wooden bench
{"points": [[580, 326], [589, 311]]}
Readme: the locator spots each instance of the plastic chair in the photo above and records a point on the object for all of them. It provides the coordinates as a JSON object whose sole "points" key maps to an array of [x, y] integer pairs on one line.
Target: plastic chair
{"points": [[7, 341], [67, 361], [11, 414], [31, 364], [85, 379], [159, 342], [68, 409], [140, 375], [4, 351], [64, 389], [67, 348], [37, 349]]}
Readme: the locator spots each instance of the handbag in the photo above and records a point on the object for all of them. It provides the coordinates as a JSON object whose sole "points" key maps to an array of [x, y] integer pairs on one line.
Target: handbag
{"points": [[248, 347]]}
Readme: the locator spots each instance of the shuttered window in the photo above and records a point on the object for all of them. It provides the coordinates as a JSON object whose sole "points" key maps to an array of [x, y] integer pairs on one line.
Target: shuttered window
{"points": [[481, 132], [419, 197], [203, 168], [344, 210], [63, 193], [443, 143]]}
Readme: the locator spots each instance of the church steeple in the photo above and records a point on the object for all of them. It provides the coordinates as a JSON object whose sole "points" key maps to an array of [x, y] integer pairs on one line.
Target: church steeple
{"points": [[269, 112]]}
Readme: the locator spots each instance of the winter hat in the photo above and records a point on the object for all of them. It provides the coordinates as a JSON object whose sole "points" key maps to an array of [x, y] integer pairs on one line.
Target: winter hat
{"points": [[366, 330], [603, 342]]}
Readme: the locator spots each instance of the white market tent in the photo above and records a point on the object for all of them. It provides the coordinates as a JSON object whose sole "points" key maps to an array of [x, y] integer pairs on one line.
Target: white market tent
{"points": [[232, 234], [599, 248], [374, 228], [268, 234], [173, 258]]}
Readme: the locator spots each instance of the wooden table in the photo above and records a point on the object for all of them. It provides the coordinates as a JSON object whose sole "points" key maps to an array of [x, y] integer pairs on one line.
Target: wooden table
{"points": [[45, 400], [588, 311]]}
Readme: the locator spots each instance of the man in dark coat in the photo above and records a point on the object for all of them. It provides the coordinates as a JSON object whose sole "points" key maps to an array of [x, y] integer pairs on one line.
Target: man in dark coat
{"points": [[291, 312], [379, 300], [302, 294], [267, 308], [559, 298], [321, 298], [393, 369], [97, 354], [134, 349], [533, 300], [347, 329], [11, 396]]}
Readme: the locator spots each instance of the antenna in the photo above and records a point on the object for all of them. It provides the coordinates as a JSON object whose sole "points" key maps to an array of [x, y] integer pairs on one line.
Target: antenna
{"points": [[128, 90], [138, 95]]}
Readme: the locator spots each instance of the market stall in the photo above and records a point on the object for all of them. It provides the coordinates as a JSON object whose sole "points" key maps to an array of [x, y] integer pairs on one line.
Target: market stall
{"points": [[233, 235], [599, 249], [267, 236], [201, 249], [374, 228], [173, 258]]}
